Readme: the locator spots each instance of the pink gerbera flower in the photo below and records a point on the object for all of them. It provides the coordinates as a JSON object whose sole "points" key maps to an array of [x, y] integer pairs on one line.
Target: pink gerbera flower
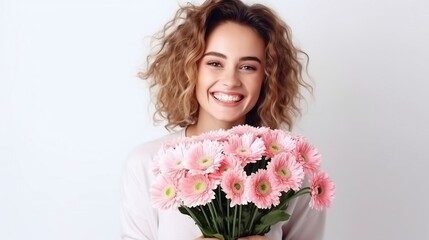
{"points": [[277, 141], [195, 190], [307, 155], [322, 191], [247, 129], [228, 163], [243, 129], [172, 159], [233, 184], [247, 147], [261, 190], [217, 135], [204, 157], [286, 172], [164, 193]]}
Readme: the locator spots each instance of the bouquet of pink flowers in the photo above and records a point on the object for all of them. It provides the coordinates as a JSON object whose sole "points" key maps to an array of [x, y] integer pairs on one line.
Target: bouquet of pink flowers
{"points": [[238, 182]]}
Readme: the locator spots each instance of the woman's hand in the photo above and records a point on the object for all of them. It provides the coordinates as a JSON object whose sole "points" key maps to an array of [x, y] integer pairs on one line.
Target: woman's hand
{"points": [[243, 238]]}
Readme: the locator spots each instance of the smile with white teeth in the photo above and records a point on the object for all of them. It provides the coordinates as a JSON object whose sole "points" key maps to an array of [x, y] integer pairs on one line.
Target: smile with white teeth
{"points": [[227, 97]]}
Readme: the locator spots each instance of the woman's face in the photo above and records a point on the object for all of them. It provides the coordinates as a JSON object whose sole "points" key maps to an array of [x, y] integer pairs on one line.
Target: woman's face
{"points": [[230, 75]]}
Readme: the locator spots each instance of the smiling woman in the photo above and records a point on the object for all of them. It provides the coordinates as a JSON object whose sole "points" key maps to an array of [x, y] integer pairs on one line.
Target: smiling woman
{"points": [[230, 77], [220, 64]]}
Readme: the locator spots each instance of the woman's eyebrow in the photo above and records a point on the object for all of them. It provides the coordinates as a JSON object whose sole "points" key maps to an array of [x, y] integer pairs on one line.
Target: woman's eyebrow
{"points": [[251, 58], [216, 54], [247, 58]]}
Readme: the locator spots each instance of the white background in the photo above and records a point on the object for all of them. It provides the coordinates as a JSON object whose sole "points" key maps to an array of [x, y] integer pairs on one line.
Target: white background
{"points": [[71, 109]]}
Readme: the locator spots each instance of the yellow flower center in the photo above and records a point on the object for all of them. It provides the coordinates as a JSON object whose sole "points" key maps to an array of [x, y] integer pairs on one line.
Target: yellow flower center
{"points": [[178, 164], [284, 173], [275, 148], [243, 150], [264, 188], [169, 192], [199, 186], [205, 161]]}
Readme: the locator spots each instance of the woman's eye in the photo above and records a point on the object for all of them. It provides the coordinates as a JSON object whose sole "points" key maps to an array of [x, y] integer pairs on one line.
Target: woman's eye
{"points": [[214, 64], [247, 67]]}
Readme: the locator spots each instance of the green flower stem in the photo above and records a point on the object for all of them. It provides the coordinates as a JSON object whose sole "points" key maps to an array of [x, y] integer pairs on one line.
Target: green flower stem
{"points": [[255, 212], [214, 216], [205, 215], [219, 200], [233, 226], [284, 203], [228, 216], [302, 191], [240, 208]]}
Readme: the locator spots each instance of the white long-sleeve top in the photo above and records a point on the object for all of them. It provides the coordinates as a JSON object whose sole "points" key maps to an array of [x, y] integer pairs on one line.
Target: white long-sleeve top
{"points": [[140, 221]]}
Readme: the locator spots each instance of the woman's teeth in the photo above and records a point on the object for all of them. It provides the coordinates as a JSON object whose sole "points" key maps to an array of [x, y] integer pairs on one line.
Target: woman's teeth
{"points": [[227, 98]]}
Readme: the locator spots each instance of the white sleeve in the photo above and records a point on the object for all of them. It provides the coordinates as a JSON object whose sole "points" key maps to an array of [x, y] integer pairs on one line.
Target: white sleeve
{"points": [[138, 219], [305, 223]]}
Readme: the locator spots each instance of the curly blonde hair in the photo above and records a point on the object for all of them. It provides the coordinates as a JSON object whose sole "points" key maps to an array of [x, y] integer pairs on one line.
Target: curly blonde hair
{"points": [[181, 44]]}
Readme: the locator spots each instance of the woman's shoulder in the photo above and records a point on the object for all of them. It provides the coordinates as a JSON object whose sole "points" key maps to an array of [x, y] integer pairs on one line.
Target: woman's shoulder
{"points": [[144, 152], [155, 144]]}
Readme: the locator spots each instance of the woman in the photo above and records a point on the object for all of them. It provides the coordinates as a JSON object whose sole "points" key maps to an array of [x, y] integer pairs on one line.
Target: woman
{"points": [[218, 65]]}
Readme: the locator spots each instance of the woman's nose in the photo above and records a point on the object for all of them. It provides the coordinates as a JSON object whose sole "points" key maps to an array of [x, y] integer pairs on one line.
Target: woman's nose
{"points": [[231, 78]]}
